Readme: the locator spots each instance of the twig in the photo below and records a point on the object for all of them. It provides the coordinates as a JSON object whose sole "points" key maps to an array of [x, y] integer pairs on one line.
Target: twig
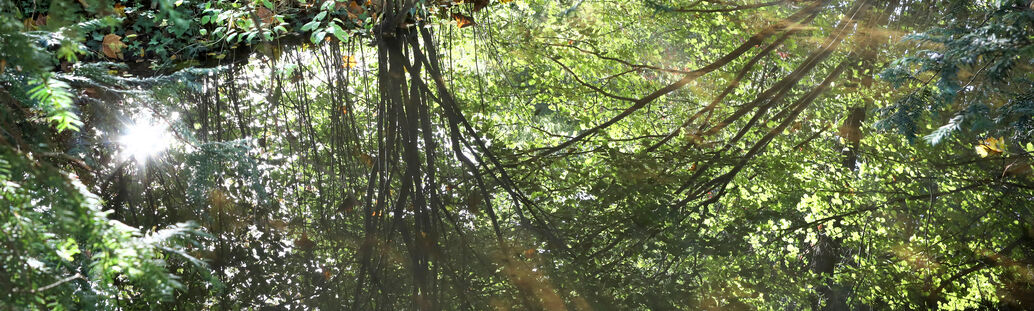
{"points": [[55, 284]]}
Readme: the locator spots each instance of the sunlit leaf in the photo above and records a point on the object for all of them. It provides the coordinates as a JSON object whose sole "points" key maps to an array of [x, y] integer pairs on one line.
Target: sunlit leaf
{"points": [[348, 62], [990, 146], [463, 21]]}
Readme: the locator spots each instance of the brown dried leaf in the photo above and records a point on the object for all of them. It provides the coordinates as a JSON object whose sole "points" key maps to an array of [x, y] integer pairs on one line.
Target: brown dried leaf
{"points": [[480, 4], [40, 20], [463, 21], [112, 46], [367, 159], [355, 8], [530, 253], [304, 243], [119, 9], [264, 15]]}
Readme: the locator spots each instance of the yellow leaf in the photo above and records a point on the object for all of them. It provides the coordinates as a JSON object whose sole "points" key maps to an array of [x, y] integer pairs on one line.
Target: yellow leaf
{"points": [[990, 146], [348, 62], [998, 145], [982, 150]]}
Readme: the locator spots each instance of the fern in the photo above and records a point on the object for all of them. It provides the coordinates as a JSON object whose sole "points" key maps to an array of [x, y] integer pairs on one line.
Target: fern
{"points": [[990, 50], [904, 114], [52, 96], [945, 131]]}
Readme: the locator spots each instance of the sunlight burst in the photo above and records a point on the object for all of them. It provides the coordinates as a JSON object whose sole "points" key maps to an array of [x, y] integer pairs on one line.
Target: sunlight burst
{"points": [[144, 139]]}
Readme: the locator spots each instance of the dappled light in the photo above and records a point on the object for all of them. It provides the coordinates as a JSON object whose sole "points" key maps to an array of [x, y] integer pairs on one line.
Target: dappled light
{"points": [[516, 155]]}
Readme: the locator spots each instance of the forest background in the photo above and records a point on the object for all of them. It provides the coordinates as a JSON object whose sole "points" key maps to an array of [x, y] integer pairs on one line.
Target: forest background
{"points": [[516, 154]]}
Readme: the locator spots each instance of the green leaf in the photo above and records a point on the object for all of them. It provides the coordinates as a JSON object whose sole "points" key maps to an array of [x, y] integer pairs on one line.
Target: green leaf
{"points": [[339, 33], [68, 249], [310, 25], [318, 36]]}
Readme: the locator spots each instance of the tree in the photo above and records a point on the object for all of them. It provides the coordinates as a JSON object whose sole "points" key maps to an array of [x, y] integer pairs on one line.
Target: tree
{"points": [[427, 154]]}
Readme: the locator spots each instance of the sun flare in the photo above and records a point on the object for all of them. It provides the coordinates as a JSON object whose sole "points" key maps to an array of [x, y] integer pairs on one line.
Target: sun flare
{"points": [[145, 138]]}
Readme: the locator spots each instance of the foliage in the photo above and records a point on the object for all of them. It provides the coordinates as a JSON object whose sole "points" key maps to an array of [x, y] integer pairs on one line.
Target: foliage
{"points": [[53, 95], [62, 251], [974, 70], [577, 154]]}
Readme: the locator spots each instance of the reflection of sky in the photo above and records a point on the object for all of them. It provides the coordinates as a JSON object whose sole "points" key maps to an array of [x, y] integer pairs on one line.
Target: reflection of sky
{"points": [[144, 138]]}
